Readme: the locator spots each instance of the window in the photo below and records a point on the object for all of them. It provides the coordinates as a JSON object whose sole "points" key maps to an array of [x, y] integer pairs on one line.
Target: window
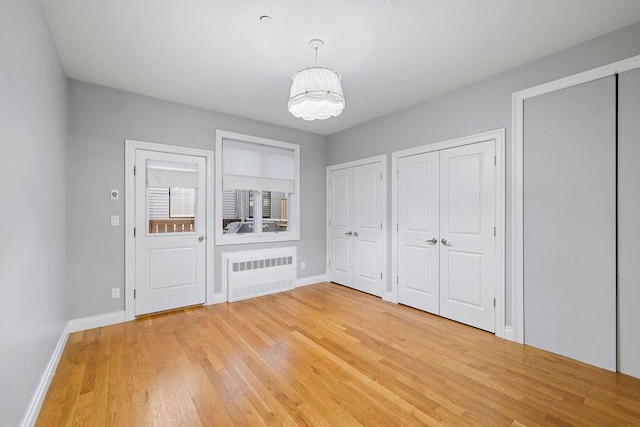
{"points": [[257, 189], [170, 208]]}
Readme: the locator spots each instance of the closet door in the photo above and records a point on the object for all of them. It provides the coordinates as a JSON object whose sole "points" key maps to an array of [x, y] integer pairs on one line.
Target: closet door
{"points": [[419, 232], [467, 240], [368, 211], [570, 222], [356, 217], [629, 222], [341, 227]]}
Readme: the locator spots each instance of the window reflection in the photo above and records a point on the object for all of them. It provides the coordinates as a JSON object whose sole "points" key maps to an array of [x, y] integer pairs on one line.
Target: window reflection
{"points": [[238, 208]]}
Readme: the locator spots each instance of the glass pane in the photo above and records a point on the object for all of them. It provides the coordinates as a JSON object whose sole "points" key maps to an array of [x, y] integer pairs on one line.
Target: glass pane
{"points": [[237, 211], [279, 210], [171, 210]]}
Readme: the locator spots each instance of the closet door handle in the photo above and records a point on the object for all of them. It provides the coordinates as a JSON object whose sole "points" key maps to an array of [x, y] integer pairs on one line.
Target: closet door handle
{"points": [[355, 234], [432, 241], [349, 233], [446, 243]]}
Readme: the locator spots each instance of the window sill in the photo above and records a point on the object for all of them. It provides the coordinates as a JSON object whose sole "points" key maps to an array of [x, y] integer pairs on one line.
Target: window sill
{"points": [[236, 239]]}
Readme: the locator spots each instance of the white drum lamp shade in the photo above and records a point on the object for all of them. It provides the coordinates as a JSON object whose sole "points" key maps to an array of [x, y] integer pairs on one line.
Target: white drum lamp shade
{"points": [[316, 93]]}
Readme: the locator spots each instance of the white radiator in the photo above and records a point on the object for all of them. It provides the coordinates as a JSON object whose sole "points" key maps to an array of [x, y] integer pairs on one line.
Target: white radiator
{"points": [[261, 272]]}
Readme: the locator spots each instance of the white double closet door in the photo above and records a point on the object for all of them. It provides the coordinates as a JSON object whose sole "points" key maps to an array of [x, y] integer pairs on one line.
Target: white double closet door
{"points": [[356, 211], [446, 225]]}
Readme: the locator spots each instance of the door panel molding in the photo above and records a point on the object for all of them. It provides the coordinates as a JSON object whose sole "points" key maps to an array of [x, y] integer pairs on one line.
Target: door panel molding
{"points": [[130, 249], [498, 136]]}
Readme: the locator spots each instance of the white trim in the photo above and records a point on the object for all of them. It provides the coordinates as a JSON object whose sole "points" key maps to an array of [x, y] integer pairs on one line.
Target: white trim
{"points": [[361, 162], [218, 298], [311, 280], [294, 198], [91, 322], [129, 208], [31, 415], [517, 177], [498, 136]]}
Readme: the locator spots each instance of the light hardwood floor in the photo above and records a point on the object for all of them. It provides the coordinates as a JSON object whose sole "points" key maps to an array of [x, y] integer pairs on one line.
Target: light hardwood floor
{"points": [[322, 355]]}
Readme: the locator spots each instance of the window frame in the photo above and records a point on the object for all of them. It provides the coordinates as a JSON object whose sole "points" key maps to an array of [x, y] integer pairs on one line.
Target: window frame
{"points": [[293, 217]]}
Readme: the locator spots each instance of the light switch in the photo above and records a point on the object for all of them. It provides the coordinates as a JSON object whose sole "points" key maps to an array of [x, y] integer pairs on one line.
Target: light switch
{"points": [[115, 220]]}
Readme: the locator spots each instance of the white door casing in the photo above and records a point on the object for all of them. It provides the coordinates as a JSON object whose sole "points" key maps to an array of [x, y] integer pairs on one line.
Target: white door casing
{"points": [[467, 245], [419, 232], [356, 211], [170, 266]]}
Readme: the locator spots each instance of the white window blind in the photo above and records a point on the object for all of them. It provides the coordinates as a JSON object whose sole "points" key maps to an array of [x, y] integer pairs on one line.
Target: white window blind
{"points": [[250, 166], [158, 203], [161, 174], [182, 202]]}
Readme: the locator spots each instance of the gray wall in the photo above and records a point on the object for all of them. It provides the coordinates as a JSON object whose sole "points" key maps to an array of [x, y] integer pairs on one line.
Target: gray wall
{"points": [[100, 120], [33, 130], [628, 224], [475, 108]]}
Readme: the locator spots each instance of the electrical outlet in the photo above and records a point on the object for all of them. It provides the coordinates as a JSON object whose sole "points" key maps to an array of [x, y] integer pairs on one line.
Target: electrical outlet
{"points": [[303, 265], [115, 293]]}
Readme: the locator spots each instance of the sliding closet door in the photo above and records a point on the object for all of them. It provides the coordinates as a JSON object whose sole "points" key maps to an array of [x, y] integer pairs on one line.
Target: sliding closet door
{"points": [[570, 222], [629, 222]]}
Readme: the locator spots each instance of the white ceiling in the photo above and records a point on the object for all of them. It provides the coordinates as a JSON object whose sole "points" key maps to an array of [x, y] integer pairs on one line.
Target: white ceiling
{"points": [[216, 54]]}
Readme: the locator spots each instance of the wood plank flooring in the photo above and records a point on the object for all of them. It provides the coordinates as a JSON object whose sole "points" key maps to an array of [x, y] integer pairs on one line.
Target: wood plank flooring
{"points": [[322, 355]]}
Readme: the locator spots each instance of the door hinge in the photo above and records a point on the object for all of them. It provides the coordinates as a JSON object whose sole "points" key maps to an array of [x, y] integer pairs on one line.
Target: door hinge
{"points": [[494, 303], [134, 169], [329, 263], [380, 176], [134, 294], [494, 232], [398, 173], [397, 226], [134, 232], [495, 160], [380, 276], [380, 226], [397, 280]]}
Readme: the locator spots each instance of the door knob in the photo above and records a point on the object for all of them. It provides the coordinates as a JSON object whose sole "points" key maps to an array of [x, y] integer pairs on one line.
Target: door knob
{"points": [[355, 234], [349, 233], [446, 243], [200, 239], [432, 241]]}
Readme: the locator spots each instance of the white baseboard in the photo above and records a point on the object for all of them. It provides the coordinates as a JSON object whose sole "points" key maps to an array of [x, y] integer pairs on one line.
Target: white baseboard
{"points": [[77, 325], [509, 333], [312, 280], [217, 299], [33, 410]]}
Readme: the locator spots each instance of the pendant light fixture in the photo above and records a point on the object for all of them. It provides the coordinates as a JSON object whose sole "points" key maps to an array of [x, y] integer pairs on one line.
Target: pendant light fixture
{"points": [[316, 92]]}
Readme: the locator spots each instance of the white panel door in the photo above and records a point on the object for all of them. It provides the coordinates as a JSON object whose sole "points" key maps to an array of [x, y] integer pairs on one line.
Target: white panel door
{"points": [[170, 252], [341, 227], [368, 214], [467, 242], [419, 232]]}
